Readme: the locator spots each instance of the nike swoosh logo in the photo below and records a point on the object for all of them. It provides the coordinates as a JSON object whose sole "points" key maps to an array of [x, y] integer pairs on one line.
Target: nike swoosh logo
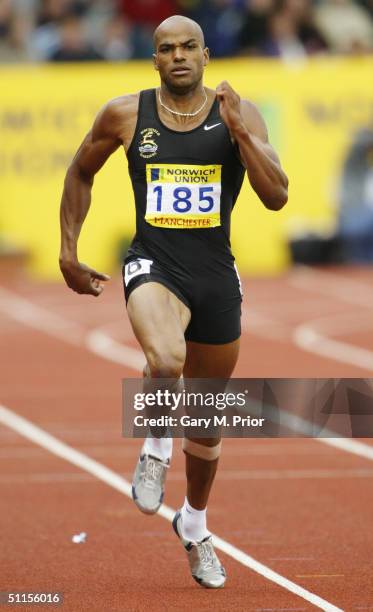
{"points": [[209, 127]]}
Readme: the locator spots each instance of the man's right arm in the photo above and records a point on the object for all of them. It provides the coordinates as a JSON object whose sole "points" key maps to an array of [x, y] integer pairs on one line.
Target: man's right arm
{"points": [[106, 135]]}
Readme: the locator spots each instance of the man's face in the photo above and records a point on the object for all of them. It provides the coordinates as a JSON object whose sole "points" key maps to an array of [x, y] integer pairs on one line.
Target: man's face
{"points": [[180, 58]]}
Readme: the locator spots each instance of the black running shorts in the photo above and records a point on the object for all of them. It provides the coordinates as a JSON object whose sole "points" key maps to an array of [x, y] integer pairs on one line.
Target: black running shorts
{"points": [[214, 299]]}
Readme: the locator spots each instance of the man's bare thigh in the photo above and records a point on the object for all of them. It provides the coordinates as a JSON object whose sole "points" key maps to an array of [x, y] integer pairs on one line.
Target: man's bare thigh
{"points": [[157, 314]]}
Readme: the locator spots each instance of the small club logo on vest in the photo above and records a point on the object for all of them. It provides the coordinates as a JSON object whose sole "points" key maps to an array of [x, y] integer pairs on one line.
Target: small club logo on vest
{"points": [[148, 147]]}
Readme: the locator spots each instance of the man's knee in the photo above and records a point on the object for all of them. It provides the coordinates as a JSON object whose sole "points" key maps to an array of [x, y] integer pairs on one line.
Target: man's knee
{"points": [[163, 363]]}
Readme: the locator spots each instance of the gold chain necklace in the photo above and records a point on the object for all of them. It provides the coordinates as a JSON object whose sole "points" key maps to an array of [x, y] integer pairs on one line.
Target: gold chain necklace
{"points": [[174, 112]]}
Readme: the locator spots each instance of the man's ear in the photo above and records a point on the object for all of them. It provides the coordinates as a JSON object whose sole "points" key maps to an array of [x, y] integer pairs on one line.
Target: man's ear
{"points": [[155, 64], [206, 53]]}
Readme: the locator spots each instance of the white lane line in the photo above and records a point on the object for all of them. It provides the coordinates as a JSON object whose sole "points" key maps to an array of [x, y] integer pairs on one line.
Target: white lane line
{"points": [[37, 435], [257, 324], [98, 342], [344, 323], [306, 337], [26, 312], [350, 446]]}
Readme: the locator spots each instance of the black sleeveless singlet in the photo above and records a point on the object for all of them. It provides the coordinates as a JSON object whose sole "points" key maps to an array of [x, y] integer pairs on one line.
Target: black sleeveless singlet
{"points": [[185, 186]]}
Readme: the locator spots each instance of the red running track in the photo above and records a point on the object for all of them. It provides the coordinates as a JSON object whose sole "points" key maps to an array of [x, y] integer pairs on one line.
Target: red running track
{"points": [[300, 507]]}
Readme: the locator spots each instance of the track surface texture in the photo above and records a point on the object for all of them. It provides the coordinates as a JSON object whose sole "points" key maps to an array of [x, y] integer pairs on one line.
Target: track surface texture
{"points": [[294, 516]]}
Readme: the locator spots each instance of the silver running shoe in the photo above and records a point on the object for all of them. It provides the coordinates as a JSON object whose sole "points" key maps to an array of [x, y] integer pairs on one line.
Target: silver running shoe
{"points": [[148, 483], [204, 564]]}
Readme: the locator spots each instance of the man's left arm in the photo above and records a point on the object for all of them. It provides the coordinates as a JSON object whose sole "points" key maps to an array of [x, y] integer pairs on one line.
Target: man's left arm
{"points": [[249, 131]]}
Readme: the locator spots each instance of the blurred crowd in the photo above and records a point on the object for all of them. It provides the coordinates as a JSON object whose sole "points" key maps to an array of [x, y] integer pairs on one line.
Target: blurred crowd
{"points": [[114, 30]]}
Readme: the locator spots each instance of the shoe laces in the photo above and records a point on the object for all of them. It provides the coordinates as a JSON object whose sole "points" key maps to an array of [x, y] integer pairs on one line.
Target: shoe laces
{"points": [[152, 472], [207, 554]]}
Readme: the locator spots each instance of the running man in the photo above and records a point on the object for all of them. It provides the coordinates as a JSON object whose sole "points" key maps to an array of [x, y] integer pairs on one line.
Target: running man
{"points": [[188, 148]]}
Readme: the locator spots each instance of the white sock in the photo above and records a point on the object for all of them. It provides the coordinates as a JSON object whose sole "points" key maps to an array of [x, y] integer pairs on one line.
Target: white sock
{"points": [[193, 523], [158, 447]]}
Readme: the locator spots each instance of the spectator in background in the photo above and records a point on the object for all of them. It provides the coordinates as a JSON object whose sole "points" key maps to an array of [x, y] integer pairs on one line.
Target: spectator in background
{"points": [[74, 45], [346, 26], [254, 28], [221, 21], [16, 25], [147, 12], [282, 28], [52, 11], [144, 15], [50, 14], [103, 26], [368, 6], [45, 38], [122, 29], [301, 11], [283, 38], [356, 199], [117, 43], [12, 45], [5, 17]]}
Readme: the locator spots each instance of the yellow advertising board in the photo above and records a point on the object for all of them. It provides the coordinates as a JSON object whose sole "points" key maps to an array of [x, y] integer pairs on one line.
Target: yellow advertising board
{"points": [[312, 111]]}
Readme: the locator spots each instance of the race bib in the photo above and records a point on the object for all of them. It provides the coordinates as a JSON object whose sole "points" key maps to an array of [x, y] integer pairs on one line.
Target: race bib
{"points": [[183, 196], [135, 268]]}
